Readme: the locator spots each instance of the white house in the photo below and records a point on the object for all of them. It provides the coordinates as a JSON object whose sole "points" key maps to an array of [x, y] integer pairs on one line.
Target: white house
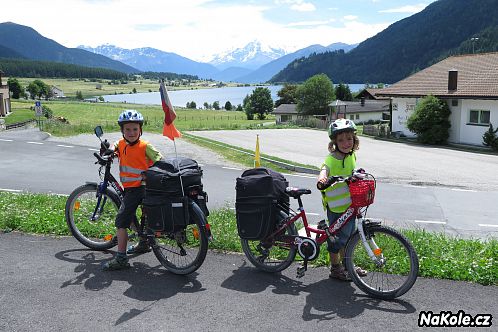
{"points": [[285, 113], [468, 83], [56, 92], [361, 111]]}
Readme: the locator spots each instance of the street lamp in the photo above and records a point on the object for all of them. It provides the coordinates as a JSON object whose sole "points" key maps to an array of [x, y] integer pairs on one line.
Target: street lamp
{"points": [[473, 39]]}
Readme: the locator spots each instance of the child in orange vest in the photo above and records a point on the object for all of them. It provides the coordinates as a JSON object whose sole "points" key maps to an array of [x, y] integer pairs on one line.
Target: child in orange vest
{"points": [[135, 157]]}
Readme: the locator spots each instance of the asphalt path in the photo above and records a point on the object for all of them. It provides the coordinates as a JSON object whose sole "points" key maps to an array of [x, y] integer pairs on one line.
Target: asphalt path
{"points": [[54, 284], [35, 162]]}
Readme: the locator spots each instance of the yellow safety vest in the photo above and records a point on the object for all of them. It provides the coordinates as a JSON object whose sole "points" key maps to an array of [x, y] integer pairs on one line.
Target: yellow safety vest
{"points": [[336, 197]]}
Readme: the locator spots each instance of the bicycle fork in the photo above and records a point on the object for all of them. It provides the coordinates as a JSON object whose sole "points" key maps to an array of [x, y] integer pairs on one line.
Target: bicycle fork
{"points": [[373, 251]]}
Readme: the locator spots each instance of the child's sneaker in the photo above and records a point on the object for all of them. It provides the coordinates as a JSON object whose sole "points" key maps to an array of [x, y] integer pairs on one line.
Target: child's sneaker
{"points": [[140, 248], [339, 272], [116, 264], [360, 272]]}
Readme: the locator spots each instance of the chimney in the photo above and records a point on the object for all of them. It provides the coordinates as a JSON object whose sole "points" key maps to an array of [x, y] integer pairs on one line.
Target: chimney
{"points": [[362, 101], [452, 79]]}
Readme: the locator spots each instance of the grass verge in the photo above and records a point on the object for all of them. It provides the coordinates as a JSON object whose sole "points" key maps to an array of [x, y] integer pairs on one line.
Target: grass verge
{"points": [[240, 155], [440, 256]]}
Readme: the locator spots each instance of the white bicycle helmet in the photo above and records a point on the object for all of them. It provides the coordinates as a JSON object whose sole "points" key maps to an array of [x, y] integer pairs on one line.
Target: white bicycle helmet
{"points": [[130, 116], [340, 126]]}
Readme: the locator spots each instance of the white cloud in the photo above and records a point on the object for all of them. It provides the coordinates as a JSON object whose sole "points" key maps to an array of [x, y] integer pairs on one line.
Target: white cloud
{"points": [[303, 7], [310, 23], [350, 17], [406, 9]]}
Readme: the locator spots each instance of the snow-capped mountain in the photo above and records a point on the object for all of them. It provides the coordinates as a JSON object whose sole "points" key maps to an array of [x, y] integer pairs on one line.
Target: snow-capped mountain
{"points": [[151, 59], [252, 56]]}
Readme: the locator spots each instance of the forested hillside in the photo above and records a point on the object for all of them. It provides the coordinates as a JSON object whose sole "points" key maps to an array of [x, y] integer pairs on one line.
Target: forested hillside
{"points": [[407, 46]]}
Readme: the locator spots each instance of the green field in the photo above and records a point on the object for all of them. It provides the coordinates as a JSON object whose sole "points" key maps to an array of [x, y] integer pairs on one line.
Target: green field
{"points": [[84, 116]]}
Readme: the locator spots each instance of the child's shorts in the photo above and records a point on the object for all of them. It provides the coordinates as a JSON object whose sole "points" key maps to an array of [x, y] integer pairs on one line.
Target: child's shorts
{"points": [[344, 233], [133, 197]]}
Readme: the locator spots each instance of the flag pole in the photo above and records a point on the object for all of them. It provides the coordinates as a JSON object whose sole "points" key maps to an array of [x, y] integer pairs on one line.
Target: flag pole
{"points": [[174, 144]]}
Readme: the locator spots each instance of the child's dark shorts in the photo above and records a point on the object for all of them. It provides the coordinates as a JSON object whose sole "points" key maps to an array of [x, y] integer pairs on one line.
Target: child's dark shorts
{"points": [[344, 233], [128, 210]]}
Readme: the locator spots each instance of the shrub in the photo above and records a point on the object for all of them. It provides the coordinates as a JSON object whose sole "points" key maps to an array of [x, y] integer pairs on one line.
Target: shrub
{"points": [[430, 121], [489, 138]]}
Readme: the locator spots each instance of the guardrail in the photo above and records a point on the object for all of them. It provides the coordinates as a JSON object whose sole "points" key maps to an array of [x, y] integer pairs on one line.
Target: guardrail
{"points": [[19, 124], [288, 166]]}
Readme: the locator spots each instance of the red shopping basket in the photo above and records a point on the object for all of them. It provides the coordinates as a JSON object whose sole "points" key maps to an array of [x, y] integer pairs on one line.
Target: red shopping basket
{"points": [[362, 192]]}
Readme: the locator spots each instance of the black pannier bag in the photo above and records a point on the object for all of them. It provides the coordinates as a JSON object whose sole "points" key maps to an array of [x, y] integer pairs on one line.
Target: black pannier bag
{"points": [[166, 214], [260, 193], [164, 176], [166, 205]]}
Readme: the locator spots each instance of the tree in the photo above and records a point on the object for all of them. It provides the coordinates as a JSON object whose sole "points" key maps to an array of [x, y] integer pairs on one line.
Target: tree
{"points": [[15, 88], [259, 102], [191, 104], [206, 105], [430, 121], [228, 106], [288, 95], [246, 106], [79, 95], [216, 105], [342, 92], [239, 108], [33, 89], [315, 95], [489, 138]]}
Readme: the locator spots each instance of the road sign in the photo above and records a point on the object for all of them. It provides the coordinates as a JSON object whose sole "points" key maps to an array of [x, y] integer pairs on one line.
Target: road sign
{"points": [[38, 108]]}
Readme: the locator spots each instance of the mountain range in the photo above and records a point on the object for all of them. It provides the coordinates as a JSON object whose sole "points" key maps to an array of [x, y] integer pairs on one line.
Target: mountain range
{"points": [[252, 63], [443, 28], [29, 44]]}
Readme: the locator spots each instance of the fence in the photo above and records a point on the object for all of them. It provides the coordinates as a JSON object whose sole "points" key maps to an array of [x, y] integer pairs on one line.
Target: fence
{"points": [[19, 124]]}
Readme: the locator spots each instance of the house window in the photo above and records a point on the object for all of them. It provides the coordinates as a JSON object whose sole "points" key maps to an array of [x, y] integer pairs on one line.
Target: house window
{"points": [[357, 116], [454, 102], [351, 117], [285, 118], [480, 117], [410, 108]]}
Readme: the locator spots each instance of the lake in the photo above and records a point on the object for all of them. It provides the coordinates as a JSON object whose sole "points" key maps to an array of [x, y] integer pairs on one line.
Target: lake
{"points": [[180, 98]]}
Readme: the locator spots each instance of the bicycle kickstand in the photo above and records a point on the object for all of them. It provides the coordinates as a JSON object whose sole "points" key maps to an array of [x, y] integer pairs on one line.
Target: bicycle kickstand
{"points": [[302, 269]]}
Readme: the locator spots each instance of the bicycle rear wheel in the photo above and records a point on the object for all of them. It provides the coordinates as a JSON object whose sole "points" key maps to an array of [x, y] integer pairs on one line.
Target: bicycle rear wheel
{"points": [[396, 268], [90, 216], [184, 250], [273, 255]]}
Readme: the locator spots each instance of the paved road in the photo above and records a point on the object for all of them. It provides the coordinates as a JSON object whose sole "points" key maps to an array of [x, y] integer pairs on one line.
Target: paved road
{"points": [[32, 161], [388, 161], [54, 284]]}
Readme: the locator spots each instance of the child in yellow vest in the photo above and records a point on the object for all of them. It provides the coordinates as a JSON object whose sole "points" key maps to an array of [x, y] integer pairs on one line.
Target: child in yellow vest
{"points": [[135, 157], [336, 199]]}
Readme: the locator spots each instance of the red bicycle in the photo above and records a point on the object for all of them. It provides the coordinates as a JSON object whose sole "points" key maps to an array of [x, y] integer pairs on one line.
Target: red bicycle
{"points": [[387, 255]]}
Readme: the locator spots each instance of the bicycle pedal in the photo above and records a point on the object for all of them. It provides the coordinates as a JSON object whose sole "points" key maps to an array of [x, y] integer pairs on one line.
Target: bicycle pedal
{"points": [[300, 271]]}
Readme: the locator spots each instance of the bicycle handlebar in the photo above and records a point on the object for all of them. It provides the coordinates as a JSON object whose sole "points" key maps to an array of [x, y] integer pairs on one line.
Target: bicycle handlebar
{"points": [[357, 174]]}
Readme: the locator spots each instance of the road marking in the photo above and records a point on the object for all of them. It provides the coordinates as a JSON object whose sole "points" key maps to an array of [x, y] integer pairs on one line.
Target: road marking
{"points": [[232, 168], [34, 143], [91, 149], [430, 222], [312, 214], [303, 176], [5, 140], [464, 190], [488, 225], [412, 186], [11, 190], [65, 146]]}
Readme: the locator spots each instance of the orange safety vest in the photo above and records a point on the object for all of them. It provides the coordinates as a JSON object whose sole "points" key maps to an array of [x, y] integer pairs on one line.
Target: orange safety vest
{"points": [[132, 162]]}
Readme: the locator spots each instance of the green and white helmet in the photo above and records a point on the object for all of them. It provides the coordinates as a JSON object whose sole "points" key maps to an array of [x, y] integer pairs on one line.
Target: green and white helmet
{"points": [[339, 126]]}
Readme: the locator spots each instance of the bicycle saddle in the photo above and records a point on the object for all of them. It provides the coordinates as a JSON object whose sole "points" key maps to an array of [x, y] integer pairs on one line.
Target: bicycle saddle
{"points": [[296, 192]]}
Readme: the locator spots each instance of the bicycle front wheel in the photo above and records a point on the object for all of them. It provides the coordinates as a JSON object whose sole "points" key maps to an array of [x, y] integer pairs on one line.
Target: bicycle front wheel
{"points": [[184, 250], [395, 268], [90, 216], [271, 255]]}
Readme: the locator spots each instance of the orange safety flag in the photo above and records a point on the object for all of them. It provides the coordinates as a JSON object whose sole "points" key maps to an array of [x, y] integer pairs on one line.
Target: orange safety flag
{"points": [[257, 157], [169, 129]]}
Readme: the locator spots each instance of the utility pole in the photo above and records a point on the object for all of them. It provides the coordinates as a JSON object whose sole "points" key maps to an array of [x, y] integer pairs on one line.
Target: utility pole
{"points": [[473, 39]]}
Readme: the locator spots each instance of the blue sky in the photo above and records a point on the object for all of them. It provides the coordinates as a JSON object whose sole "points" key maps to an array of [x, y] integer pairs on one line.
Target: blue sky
{"points": [[198, 29]]}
